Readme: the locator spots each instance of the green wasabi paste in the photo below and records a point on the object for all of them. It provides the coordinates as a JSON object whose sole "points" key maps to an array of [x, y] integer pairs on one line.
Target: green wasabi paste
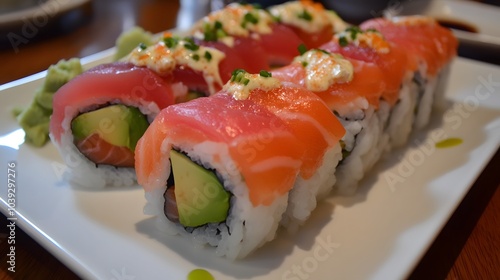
{"points": [[448, 143], [200, 274], [130, 39], [35, 119]]}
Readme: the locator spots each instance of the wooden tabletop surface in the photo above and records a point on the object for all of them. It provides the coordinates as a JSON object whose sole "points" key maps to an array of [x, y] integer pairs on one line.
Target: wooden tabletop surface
{"points": [[468, 247]]}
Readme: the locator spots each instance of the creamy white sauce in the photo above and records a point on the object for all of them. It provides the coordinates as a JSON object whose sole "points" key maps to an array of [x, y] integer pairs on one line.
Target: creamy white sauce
{"points": [[233, 16], [324, 69], [289, 13], [241, 91], [163, 60], [370, 39]]}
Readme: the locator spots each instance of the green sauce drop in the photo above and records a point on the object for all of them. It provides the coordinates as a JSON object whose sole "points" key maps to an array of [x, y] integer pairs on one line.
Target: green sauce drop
{"points": [[200, 274], [448, 143]]}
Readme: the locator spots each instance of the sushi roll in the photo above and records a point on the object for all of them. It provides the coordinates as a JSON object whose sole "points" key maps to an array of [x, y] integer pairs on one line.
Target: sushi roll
{"points": [[269, 37], [218, 170], [318, 131], [352, 90], [99, 116], [430, 49], [369, 46], [381, 104]]}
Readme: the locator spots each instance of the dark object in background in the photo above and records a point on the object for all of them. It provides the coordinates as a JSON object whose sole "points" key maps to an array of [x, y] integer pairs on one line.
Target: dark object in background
{"points": [[352, 11], [265, 3], [43, 25]]}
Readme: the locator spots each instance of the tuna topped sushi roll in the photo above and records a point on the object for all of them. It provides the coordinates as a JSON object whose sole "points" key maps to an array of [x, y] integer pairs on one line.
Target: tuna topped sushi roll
{"points": [[190, 68], [269, 38], [100, 115], [218, 169], [309, 20]]}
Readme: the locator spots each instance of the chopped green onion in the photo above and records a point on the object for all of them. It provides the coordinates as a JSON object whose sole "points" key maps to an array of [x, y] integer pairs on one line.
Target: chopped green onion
{"points": [[249, 17], [343, 41], [208, 34], [196, 57], [305, 15], [212, 33], [237, 74], [191, 45], [142, 46], [354, 30], [265, 74], [304, 64], [237, 71], [323, 51], [302, 49], [170, 42], [208, 56]]}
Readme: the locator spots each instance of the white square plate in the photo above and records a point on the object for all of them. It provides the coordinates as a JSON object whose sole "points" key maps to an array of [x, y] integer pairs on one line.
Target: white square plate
{"points": [[380, 233]]}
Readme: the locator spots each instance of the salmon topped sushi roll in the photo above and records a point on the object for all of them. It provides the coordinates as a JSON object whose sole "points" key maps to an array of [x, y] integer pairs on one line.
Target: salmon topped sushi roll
{"points": [[309, 20], [429, 48], [99, 116], [219, 169], [313, 124], [370, 46], [353, 90]]}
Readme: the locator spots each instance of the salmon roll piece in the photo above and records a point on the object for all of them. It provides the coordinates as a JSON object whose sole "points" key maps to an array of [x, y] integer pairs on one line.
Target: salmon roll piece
{"points": [[370, 46], [99, 116], [352, 90], [430, 48], [313, 124], [218, 170]]}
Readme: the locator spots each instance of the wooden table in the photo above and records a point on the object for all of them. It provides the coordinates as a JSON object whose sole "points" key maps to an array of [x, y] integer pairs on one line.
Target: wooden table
{"points": [[467, 248]]}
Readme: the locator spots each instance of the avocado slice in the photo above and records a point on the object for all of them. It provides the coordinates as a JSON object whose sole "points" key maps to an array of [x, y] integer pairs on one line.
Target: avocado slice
{"points": [[118, 125], [200, 196]]}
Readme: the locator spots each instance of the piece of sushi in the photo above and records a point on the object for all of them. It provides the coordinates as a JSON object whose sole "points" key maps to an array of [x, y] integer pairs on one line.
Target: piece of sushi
{"points": [[381, 104], [99, 116], [371, 47], [394, 106], [218, 169], [430, 49], [353, 90], [314, 125]]}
